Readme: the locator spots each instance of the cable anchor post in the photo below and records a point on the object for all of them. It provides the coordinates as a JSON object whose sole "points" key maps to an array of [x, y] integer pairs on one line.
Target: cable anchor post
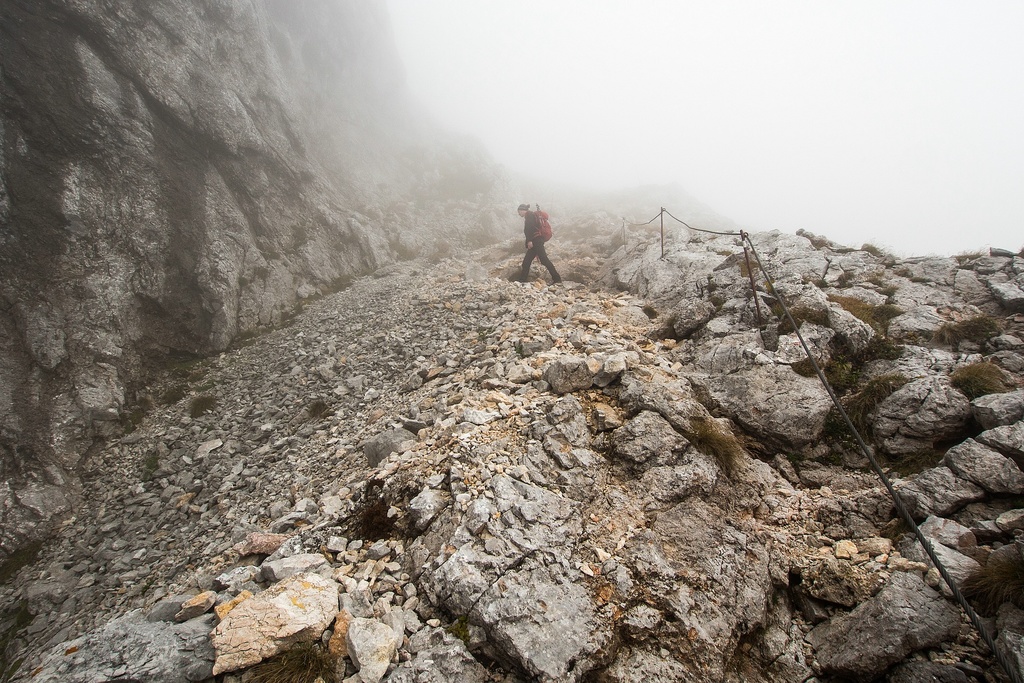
{"points": [[662, 216], [750, 274]]}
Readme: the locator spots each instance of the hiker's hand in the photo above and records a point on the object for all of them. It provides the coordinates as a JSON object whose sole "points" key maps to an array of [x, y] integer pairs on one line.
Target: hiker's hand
{"points": [[529, 245]]}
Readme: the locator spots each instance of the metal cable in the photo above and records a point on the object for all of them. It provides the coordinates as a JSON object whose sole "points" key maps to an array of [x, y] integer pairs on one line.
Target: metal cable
{"points": [[637, 225], [713, 232], [1003, 661]]}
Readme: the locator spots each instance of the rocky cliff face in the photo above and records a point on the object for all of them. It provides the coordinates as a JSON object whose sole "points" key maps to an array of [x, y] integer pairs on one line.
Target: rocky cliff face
{"points": [[173, 174]]}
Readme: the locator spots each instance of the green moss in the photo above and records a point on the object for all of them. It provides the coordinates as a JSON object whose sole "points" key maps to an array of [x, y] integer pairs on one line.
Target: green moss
{"points": [[800, 314], [174, 393], [979, 379], [460, 629], [967, 256], [317, 409], [12, 623], [914, 463], [149, 466]]}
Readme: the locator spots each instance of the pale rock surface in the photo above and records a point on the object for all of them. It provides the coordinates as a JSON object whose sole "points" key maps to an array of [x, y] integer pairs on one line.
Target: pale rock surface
{"points": [[905, 616], [296, 610]]}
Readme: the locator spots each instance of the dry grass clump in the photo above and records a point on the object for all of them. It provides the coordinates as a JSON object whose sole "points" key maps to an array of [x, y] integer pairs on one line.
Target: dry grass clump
{"points": [[801, 314], [306, 663], [873, 250], [1001, 580], [978, 329], [979, 379], [317, 408], [877, 316], [202, 404], [711, 439], [859, 405]]}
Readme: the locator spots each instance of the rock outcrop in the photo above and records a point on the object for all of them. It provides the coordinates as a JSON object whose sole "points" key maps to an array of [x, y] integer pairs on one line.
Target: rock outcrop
{"points": [[173, 175], [506, 481]]}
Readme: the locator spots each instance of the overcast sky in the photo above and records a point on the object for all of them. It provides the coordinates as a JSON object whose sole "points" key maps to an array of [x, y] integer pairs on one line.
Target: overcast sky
{"points": [[899, 123]]}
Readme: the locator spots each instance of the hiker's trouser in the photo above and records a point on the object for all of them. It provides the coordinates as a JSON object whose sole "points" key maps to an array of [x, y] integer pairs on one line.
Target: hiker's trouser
{"points": [[537, 252]]}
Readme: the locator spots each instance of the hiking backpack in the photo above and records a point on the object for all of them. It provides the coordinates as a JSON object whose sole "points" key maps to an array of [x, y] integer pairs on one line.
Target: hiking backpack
{"points": [[543, 225]]}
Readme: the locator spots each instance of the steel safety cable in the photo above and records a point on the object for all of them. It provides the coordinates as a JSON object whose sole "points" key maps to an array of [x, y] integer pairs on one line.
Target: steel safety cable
{"points": [[636, 225], [1003, 661], [713, 232]]}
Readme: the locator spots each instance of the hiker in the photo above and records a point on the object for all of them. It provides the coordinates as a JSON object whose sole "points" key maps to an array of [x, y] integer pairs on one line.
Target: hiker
{"points": [[534, 246]]}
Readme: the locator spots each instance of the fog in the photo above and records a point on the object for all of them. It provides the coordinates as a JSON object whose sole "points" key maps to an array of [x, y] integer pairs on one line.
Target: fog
{"points": [[895, 123]]}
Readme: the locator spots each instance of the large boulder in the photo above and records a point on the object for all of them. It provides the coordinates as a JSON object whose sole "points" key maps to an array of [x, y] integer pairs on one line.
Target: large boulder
{"points": [[296, 610], [904, 617], [134, 648], [920, 414]]}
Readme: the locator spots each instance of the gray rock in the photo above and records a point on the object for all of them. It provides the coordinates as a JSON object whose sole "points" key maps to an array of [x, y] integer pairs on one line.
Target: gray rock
{"points": [[949, 533], [278, 570], [837, 582], [937, 492], [904, 617], [919, 414], [648, 439], [920, 323], [425, 506], [132, 648], [1007, 439], [571, 373], [1009, 295], [371, 644], [688, 316], [926, 672], [985, 467], [773, 402], [996, 410], [438, 657], [542, 622], [386, 443]]}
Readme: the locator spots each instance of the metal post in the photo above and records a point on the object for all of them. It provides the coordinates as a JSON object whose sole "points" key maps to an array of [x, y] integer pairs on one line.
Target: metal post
{"points": [[753, 288], [662, 215]]}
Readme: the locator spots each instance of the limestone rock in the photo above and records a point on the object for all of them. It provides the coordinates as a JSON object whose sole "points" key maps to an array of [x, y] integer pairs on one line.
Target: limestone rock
{"points": [[919, 414], [296, 610], [371, 644], [904, 617], [985, 467], [131, 648], [996, 410], [938, 491]]}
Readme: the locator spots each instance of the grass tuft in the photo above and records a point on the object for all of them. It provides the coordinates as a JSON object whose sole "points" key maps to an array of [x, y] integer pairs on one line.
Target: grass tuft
{"points": [[1001, 580], [710, 439], [306, 663], [978, 329], [317, 409], [801, 314], [859, 405], [202, 404], [979, 379], [877, 316]]}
